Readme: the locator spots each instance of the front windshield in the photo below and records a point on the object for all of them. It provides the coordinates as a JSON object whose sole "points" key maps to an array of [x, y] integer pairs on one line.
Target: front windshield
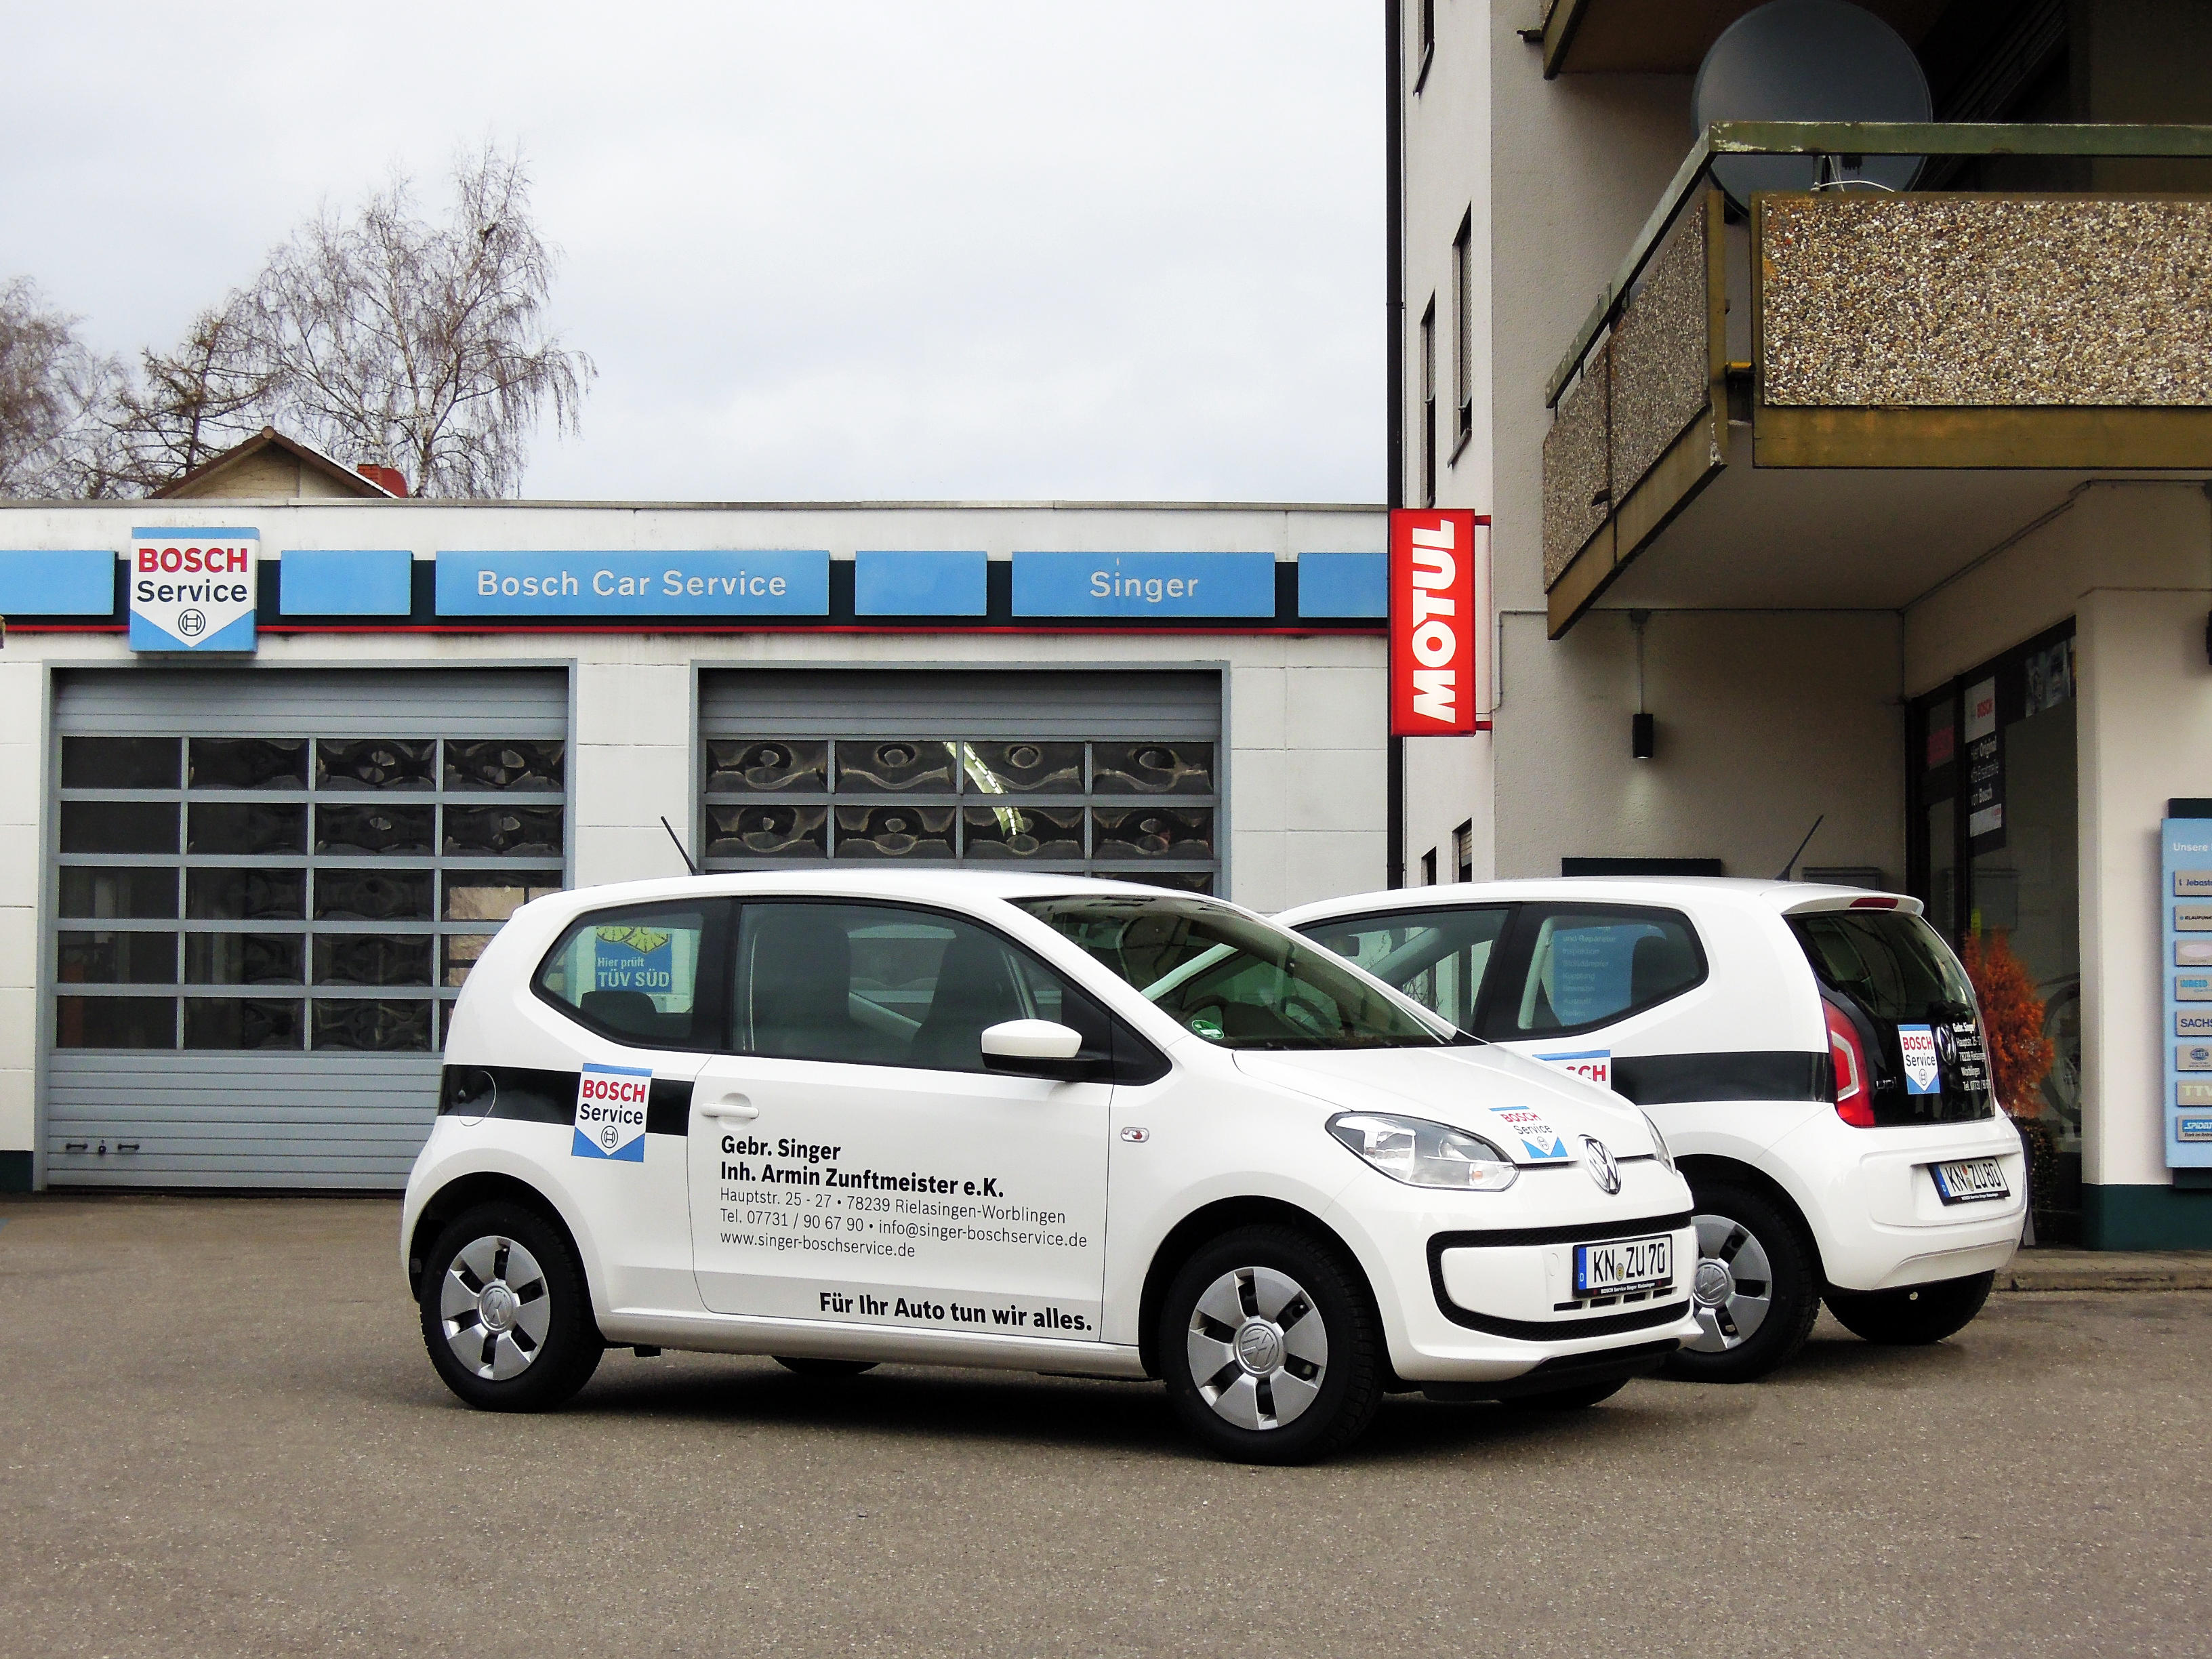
{"points": [[1233, 981]]}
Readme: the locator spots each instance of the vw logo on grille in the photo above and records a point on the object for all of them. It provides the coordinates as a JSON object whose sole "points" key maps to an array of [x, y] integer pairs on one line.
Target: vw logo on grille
{"points": [[1597, 1158]]}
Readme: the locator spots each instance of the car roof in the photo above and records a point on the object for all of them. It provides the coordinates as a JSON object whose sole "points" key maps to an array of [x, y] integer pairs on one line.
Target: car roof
{"points": [[1690, 893], [944, 886]]}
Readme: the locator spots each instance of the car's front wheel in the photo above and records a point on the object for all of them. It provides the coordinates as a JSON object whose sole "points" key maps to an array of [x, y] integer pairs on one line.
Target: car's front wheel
{"points": [[1755, 1289], [1270, 1347], [505, 1313], [1915, 1315]]}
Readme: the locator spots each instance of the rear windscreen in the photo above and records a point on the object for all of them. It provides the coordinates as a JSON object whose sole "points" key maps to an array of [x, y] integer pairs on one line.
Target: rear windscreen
{"points": [[1928, 1059], [1891, 963]]}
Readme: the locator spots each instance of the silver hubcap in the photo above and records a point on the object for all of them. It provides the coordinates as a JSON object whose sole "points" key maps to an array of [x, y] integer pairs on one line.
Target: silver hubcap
{"points": [[493, 1307], [1258, 1351], [1732, 1287]]}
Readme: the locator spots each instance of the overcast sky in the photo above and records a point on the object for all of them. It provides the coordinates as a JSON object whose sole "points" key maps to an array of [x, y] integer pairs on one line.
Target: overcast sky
{"points": [[824, 249]]}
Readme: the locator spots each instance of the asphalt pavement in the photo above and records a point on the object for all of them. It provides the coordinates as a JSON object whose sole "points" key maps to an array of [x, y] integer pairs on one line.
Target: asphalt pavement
{"points": [[221, 1436]]}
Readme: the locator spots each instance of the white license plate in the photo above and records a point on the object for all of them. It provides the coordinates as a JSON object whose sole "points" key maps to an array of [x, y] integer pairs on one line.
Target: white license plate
{"points": [[1625, 1264], [1970, 1181]]}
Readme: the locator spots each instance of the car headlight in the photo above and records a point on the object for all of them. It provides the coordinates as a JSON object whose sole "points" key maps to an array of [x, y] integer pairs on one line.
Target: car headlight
{"points": [[1658, 1141], [1425, 1154]]}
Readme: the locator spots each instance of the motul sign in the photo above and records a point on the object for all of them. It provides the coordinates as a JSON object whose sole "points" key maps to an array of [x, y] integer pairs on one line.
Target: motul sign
{"points": [[1438, 678]]}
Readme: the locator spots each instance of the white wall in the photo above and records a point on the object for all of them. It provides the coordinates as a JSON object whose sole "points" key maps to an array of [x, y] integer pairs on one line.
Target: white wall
{"points": [[1763, 722]]}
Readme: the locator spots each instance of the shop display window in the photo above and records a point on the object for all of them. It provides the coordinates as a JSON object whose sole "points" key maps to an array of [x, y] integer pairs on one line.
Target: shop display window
{"points": [[366, 874], [1994, 853]]}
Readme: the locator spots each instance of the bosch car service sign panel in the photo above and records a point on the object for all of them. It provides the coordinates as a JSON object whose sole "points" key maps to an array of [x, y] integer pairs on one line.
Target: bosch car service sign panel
{"points": [[193, 590]]}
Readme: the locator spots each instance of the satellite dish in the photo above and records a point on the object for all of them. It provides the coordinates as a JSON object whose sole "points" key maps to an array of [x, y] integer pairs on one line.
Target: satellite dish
{"points": [[1811, 60]]}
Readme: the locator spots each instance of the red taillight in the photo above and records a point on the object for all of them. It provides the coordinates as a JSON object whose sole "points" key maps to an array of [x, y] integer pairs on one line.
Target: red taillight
{"points": [[1874, 904], [1847, 1059]]}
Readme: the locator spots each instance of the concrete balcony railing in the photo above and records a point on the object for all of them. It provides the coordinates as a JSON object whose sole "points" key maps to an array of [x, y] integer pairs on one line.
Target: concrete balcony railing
{"points": [[1809, 371]]}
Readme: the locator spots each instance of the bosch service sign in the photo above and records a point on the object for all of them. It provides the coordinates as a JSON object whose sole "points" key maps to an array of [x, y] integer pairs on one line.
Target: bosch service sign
{"points": [[192, 590], [1439, 594]]}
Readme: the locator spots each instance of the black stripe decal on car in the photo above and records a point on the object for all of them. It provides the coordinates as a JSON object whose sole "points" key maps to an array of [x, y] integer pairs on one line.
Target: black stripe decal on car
{"points": [[1670, 1079], [529, 1094]]}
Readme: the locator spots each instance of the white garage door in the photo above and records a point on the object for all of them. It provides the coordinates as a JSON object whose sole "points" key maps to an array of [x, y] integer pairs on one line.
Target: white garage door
{"points": [[267, 887]]}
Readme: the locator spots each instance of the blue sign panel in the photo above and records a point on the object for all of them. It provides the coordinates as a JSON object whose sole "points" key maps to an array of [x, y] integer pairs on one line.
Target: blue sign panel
{"points": [[2185, 953], [328, 583], [632, 584], [1344, 585], [918, 584], [74, 582], [1151, 585]]}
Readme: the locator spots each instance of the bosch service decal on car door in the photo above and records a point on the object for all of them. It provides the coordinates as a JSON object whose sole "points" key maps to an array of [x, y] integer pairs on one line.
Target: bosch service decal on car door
{"points": [[854, 1161]]}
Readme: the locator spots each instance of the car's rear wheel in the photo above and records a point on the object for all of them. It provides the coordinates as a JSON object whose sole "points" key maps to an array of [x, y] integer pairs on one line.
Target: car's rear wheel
{"points": [[1754, 1290], [1916, 1314], [1270, 1347], [505, 1313], [800, 1365]]}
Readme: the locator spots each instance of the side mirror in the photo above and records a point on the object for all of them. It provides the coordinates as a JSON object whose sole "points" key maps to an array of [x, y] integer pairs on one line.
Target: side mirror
{"points": [[1036, 1048]]}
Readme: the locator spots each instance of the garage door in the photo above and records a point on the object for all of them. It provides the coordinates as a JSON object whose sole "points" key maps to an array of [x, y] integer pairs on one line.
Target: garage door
{"points": [[1107, 772], [268, 887]]}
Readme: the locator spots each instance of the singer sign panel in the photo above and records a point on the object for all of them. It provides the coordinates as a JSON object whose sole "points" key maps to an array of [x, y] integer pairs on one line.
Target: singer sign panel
{"points": [[1439, 606]]}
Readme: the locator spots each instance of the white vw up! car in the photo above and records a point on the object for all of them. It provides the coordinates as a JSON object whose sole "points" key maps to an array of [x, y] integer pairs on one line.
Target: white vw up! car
{"points": [[1027, 1121], [1814, 1055]]}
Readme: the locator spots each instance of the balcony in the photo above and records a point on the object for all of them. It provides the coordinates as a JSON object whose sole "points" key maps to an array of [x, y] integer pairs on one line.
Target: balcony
{"points": [[1670, 37], [1846, 396]]}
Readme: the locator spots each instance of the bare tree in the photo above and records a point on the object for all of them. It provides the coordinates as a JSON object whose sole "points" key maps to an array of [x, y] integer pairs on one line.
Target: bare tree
{"points": [[419, 346], [51, 388], [217, 389]]}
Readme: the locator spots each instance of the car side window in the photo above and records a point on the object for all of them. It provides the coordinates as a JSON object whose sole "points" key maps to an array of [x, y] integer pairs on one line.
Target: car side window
{"points": [[632, 973], [883, 985], [1586, 966], [1440, 958]]}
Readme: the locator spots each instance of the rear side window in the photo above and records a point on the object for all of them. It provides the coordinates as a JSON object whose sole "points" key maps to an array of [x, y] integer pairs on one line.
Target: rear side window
{"points": [[1891, 963], [632, 973], [1590, 965], [1440, 958]]}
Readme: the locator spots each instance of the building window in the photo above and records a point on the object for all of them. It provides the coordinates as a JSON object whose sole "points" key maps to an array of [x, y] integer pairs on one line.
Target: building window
{"points": [[1429, 404], [1133, 811], [1463, 332], [1429, 868], [1428, 43], [290, 893], [1463, 850]]}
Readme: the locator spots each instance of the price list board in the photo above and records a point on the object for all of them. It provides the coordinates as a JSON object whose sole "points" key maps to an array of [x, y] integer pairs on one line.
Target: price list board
{"points": [[2186, 971]]}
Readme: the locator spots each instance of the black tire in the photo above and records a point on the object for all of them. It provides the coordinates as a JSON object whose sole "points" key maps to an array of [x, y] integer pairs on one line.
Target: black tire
{"points": [[1569, 1399], [556, 1349], [1738, 1225], [1912, 1316], [800, 1366], [1334, 1400]]}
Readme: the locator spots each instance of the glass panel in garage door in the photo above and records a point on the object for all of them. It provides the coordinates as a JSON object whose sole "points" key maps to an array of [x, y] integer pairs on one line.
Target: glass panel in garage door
{"points": [[294, 892], [1134, 810]]}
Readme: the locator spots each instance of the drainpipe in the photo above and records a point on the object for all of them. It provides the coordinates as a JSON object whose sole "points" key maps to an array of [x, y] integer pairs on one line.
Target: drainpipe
{"points": [[1394, 357]]}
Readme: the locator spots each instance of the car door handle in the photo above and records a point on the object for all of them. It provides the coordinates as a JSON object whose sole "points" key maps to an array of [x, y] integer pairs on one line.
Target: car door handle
{"points": [[732, 1106]]}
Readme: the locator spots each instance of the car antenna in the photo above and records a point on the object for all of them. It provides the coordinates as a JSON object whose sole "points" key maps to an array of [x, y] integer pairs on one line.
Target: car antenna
{"points": [[680, 853], [1786, 868]]}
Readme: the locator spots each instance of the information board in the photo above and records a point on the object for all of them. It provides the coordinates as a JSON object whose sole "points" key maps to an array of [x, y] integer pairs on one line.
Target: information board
{"points": [[2186, 969]]}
